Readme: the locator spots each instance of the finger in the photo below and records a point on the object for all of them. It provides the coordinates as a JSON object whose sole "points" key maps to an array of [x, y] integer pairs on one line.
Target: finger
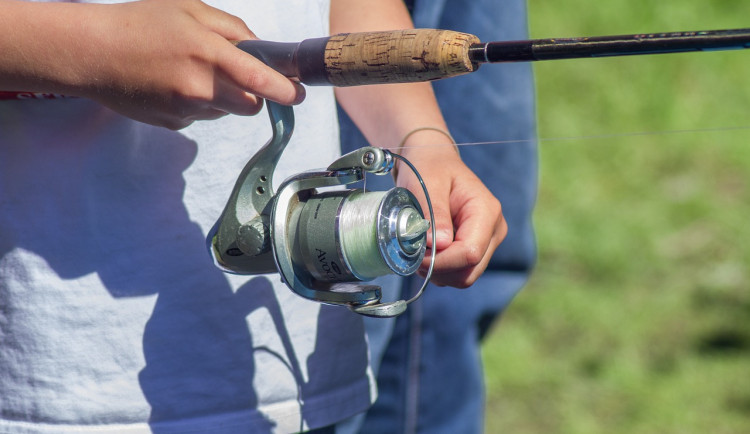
{"points": [[223, 23], [232, 99], [462, 279], [464, 275], [443, 228], [248, 73], [480, 229], [458, 256], [440, 199], [253, 76], [457, 274], [457, 278], [207, 115], [175, 123], [479, 221]]}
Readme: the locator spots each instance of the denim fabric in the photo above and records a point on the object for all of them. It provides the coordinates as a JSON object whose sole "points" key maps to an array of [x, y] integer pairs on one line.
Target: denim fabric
{"points": [[430, 377]]}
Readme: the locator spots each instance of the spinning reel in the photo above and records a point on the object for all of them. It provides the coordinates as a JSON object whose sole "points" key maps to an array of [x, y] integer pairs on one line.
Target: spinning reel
{"points": [[324, 243]]}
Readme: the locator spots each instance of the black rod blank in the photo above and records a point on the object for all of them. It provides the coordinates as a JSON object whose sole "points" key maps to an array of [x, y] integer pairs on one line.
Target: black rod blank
{"points": [[608, 46]]}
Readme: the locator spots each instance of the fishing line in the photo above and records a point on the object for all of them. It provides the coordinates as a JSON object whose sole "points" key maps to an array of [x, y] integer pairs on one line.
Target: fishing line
{"points": [[593, 137], [358, 233]]}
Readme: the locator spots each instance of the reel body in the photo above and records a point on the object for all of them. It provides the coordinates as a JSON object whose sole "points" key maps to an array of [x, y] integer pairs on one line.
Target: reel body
{"points": [[325, 241]]}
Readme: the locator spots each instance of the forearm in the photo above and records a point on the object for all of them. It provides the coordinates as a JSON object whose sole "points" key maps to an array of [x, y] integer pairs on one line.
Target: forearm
{"points": [[38, 46], [386, 113], [468, 219]]}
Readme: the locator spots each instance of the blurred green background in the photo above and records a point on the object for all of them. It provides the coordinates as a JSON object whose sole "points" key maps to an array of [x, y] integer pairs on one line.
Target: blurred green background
{"points": [[637, 317]]}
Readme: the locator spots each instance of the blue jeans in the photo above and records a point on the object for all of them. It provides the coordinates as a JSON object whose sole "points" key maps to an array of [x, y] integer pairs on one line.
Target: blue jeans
{"points": [[428, 364]]}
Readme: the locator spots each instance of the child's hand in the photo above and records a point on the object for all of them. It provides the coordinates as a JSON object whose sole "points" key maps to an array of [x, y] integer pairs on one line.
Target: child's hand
{"points": [[468, 218], [163, 62]]}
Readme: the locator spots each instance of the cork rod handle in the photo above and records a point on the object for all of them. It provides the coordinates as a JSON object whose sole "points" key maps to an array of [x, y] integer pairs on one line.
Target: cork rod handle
{"points": [[354, 59], [398, 56]]}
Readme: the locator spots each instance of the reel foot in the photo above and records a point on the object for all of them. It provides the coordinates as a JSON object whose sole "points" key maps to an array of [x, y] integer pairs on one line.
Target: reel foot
{"points": [[380, 310]]}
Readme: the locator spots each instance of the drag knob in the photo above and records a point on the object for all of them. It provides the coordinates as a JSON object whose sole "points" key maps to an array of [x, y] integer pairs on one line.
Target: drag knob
{"points": [[411, 230]]}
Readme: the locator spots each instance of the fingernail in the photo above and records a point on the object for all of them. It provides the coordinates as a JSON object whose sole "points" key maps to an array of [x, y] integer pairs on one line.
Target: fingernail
{"points": [[444, 235]]}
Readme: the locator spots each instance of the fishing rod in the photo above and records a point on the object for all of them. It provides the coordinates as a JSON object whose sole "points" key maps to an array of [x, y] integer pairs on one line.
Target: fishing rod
{"points": [[402, 56], [327, 242]]}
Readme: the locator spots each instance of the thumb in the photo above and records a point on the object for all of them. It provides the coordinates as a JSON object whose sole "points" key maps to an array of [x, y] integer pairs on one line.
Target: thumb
{"points": [[439, 189], [443, 220], [443, 225]]}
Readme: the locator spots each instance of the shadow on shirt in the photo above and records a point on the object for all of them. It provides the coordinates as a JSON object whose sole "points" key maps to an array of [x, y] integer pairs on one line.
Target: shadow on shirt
{"points": [[114, 194]]}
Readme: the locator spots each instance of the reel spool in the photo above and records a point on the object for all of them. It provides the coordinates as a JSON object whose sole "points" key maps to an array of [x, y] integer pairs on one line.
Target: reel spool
{"points": [[346, 236], [324, 243]]}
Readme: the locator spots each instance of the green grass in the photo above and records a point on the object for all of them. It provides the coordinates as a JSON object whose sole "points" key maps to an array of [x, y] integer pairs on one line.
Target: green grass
{"points": [[637, 318]]}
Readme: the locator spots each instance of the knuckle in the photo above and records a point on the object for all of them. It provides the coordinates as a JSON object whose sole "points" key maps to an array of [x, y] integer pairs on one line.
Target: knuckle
{"points": [[194, 5], [473, 256], [192, 87], [503, 230], [496, 211], [237, 23], [256, 79], [495, 206]]}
